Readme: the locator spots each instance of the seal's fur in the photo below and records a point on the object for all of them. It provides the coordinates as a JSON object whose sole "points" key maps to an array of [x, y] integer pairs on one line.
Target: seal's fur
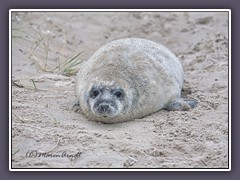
{"points": [[149, 76]]}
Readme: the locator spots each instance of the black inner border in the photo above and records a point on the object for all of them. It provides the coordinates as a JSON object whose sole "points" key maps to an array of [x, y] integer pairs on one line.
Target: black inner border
{"points": [[133, 169]]}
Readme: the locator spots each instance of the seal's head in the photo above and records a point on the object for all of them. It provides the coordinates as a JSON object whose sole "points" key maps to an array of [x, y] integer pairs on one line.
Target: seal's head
{"points": [[106, 101]]}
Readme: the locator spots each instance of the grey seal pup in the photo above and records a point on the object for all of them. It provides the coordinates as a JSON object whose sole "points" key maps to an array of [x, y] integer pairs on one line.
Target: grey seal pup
{"points": [[130, 78]]}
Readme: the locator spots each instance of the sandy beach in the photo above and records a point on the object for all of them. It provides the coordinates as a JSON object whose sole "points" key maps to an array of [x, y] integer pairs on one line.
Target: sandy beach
{"points": [[47, 50]]}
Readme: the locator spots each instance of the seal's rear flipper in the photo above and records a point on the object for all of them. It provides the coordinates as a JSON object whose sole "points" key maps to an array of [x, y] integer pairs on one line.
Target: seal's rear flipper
{"points": [[181, 105]]}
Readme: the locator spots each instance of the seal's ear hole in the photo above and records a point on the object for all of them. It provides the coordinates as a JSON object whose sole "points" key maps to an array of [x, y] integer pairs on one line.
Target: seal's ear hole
{"points": [[94, 94]]}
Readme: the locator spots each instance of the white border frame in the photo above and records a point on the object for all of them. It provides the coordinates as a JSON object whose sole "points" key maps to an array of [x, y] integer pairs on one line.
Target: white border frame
{"points": [[118, 10]]}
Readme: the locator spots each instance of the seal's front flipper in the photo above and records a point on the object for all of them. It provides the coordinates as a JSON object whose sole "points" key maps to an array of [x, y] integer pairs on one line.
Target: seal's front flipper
{"points": [[181, 105], [76, 107]]}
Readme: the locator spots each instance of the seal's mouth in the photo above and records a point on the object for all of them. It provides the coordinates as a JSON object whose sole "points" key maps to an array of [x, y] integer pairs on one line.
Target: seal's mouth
{"points": [[105, 109]]}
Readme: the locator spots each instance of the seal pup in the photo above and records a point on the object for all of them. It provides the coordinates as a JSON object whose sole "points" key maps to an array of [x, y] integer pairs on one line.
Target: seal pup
{"points": [[130, 78]]}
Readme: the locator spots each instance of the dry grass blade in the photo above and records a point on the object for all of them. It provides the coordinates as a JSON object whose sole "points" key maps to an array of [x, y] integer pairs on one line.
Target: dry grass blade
{"points": [[69, 67], [34, 84], [40, 64]]}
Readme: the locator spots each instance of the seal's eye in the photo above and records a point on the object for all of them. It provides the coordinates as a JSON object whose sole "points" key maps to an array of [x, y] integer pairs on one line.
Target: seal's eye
{"points": [[94, 94], [118, 94]]}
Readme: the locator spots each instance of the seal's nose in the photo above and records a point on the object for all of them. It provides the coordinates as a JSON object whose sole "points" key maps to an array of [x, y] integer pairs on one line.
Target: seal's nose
{"points": [[104, 107]]}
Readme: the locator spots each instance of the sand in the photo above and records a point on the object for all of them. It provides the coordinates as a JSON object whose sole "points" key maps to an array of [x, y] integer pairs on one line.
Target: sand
{"points": [[47, 133]]}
